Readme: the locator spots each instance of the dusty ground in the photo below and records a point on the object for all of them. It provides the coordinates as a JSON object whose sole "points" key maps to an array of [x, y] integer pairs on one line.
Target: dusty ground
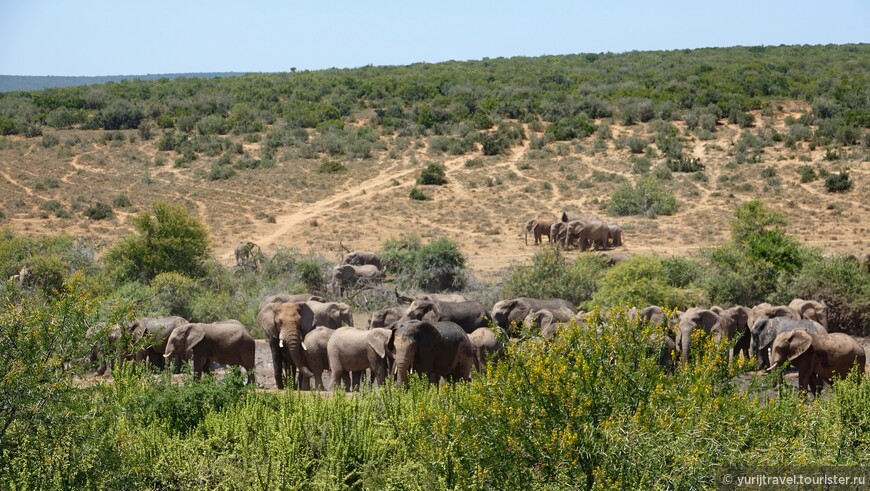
{"points": [[482, 208]]}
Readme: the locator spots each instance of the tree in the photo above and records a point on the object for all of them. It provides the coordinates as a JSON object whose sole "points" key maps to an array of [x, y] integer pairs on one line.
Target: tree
{"points": [[170, 240], [754, 217]]}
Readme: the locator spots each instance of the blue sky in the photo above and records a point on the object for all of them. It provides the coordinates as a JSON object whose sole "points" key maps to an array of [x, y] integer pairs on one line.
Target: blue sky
{"points": [[130, 37]]}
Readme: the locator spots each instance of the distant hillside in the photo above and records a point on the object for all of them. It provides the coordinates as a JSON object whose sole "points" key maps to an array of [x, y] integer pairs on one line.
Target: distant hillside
{"points": [[15, 83]]}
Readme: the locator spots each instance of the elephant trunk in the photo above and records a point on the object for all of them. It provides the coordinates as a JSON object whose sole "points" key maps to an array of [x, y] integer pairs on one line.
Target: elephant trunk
{"points": [[684, 345], [404, 362], [290, 342]]}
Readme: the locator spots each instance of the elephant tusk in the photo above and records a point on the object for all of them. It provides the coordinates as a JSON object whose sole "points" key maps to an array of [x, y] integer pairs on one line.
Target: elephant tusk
{"points": [[280, 343], [772, 367], [167, 355]]}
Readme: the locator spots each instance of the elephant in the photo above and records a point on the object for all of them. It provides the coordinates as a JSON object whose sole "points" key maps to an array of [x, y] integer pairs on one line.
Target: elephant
{"points": [[863, 259], [348, 276], [515, 310], [487, 347], [613, 258], [548, 321], [581, 232], [442, 297], [468, 315], [439, 349], [811, 309], [154, 332], [226, 342], [288, 297], [690, 320], [614, 234], [766, 311], [539, 228], [766, 330], [314, 349], [558, 232], [654, 315], [248, 255], [105, 345], [734, 323], [353, 350], [282, 324], [287, 323], [570, 216], [817, 355], [386, 317], [359, 258]]}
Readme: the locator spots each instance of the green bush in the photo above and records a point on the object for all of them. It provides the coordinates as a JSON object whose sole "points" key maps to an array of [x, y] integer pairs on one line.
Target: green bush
{"points": [[294, 272], [433, 174], [552, 275], [569, 128], [170, 240], [685, 164], [838, 183], [641, 281], [808, 173], [433, 267], [220, 172], [99, 211], [121, 201], [331, 167], [417, 194], [645, 198]]}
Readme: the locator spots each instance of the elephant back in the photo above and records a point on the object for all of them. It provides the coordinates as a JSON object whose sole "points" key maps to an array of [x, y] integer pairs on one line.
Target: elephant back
{"points": [[767, 330]]}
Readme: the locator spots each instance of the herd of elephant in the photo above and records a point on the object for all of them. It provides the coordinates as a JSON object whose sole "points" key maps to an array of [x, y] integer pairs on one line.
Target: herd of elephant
{"points": [[449, 336], [583, 230]]}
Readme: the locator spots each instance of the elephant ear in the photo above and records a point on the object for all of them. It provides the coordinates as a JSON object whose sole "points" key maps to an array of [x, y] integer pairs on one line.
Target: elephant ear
{"points": [[378, 340], [799, 342], [195, 334], [708, 319], [333, 312]]}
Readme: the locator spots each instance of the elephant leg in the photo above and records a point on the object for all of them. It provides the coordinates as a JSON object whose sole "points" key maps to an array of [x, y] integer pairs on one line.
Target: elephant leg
{"points": [[277, 363], [318, 379], [345, 379], [356, 380], [335, 381]]}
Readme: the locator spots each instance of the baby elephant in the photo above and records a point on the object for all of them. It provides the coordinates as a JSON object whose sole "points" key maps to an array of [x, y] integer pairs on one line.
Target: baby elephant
{"points": [[817, 355], [226, 342]]}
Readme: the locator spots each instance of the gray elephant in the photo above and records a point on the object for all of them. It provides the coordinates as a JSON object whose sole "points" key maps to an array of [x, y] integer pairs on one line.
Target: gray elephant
{"points": [[442, 297], [282, 324], [152, 333], [315, 351], [539, 228], [468, 315], [558, 232], [692, 319], [514, 311], [287, 323], [359, 258], [226, 342], [349, 276], [817, 356], [811, 309], [353, 350], [613, 258], [585, 234], [106, 344], [766, 330], [570, 216], [248, 255], [386, 317], [548, 321], [614, 234], [487, 347], [289, 297], [767, 311], [440, 349], [733, 324]]}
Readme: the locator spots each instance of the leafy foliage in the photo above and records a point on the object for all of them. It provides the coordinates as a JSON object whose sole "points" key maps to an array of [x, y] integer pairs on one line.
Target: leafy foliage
{"points": [[170, 240], [551, 275], [433, 174], [433, 267], [641, 281], [838, 183], [646, 198]]}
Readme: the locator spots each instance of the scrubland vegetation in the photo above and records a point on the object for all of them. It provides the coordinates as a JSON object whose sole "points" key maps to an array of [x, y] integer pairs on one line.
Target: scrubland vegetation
{"points": [[592, 409]]}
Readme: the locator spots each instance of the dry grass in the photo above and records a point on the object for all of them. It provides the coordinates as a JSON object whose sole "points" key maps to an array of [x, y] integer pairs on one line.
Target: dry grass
{"points": [[481, 207]]}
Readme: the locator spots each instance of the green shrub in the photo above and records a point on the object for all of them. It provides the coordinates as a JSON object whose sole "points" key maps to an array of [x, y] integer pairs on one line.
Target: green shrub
{"points": [[552, 275], [294, 272], [417, 194], [99, 211], [331, 167], [220, 172], [433, 267], [645, 198], [121, 201], [838, 183], [808, 173], [640, 281], [685, 164], [433, 174], [170, 240], [569, 128]]}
